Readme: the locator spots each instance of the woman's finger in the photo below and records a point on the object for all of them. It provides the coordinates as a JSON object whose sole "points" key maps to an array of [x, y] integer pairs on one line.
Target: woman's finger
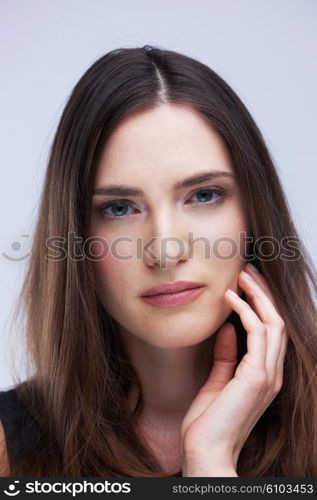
{"points": [[275, 328], [263, 305], [269, 316], [281, 359], [222, 371], [225, 355], [256, 330], [259, 278]]}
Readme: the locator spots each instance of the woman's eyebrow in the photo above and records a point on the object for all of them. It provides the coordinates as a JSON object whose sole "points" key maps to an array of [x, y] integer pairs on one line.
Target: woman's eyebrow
{"points": [[121, 190]]}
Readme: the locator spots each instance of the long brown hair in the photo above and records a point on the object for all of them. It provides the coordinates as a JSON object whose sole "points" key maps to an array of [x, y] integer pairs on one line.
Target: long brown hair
{"points": [[80, 376]]}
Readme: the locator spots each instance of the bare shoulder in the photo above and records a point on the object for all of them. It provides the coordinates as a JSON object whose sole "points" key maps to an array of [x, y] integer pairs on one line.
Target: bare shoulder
{"points": [[4, 459]]}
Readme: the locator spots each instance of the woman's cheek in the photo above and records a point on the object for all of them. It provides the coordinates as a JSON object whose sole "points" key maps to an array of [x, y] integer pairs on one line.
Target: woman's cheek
{"points": [[222, 243], [227, 249], [111, 266], [113, 270]]}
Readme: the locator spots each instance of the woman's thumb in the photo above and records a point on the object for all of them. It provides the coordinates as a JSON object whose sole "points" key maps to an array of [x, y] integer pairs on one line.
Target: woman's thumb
{"points": [[225, 354]]}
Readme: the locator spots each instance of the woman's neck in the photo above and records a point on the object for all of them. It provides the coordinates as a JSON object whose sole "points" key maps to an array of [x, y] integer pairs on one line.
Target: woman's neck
{"points": [[170, 378]]}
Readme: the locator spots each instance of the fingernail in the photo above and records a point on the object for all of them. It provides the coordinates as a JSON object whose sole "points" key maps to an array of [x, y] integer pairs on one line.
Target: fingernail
{"points": [[232, 293], [251, 268], [247, 276]]}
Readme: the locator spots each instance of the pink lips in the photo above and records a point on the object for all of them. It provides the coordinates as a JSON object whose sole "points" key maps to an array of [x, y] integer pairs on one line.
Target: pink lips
{"points": [[173, 294]]}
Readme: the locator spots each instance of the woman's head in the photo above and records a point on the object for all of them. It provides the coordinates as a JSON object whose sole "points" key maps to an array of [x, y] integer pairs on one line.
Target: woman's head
{"points": [[149, 118], [188, 233]]}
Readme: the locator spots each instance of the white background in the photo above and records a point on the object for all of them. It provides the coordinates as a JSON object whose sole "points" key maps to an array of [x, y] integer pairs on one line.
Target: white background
{"points": [[264, 49]]}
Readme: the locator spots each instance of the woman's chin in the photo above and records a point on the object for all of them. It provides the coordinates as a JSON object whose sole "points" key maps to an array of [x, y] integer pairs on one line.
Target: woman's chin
{"points": [[177, 336]]}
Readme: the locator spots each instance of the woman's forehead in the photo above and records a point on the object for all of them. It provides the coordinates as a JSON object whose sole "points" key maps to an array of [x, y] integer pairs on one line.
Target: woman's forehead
{"points": [[154, 144]]}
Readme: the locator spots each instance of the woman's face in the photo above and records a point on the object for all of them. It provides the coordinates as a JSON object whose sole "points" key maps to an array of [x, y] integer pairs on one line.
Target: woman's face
{"points": [[151, 238]]}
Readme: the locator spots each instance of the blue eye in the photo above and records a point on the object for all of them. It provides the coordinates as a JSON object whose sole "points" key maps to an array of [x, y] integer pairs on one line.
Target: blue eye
{"points": [[210, 192], [119, 208]]}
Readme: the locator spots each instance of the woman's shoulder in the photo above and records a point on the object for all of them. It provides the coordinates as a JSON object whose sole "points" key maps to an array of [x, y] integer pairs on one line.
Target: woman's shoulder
{"points": [[11, 408], [8, 402], [19, 429], [4, 459], [9, 412]]}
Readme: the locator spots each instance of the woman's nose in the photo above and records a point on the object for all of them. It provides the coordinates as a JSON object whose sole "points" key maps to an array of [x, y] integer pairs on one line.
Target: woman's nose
{"points": [[167, 243], [164, 252]]}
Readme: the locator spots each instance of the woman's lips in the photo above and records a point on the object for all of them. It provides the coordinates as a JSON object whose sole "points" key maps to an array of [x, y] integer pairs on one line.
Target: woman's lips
{"points": [[174, 299]]}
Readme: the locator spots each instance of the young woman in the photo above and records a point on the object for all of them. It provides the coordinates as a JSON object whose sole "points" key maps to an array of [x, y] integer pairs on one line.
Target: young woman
{"points": [[159, 180]]}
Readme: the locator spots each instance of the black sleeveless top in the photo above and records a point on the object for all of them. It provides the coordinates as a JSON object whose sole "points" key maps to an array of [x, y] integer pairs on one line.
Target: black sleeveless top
{"points": [[14, 417]]}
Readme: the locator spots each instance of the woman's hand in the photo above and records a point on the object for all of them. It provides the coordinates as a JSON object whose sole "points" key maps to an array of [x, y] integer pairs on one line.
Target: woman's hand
{"points": [[229, 404]]}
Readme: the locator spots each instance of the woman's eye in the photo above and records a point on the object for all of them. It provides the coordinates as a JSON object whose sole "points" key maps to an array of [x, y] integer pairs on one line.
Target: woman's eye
{"points": [[205, 195], [117, 209]]}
